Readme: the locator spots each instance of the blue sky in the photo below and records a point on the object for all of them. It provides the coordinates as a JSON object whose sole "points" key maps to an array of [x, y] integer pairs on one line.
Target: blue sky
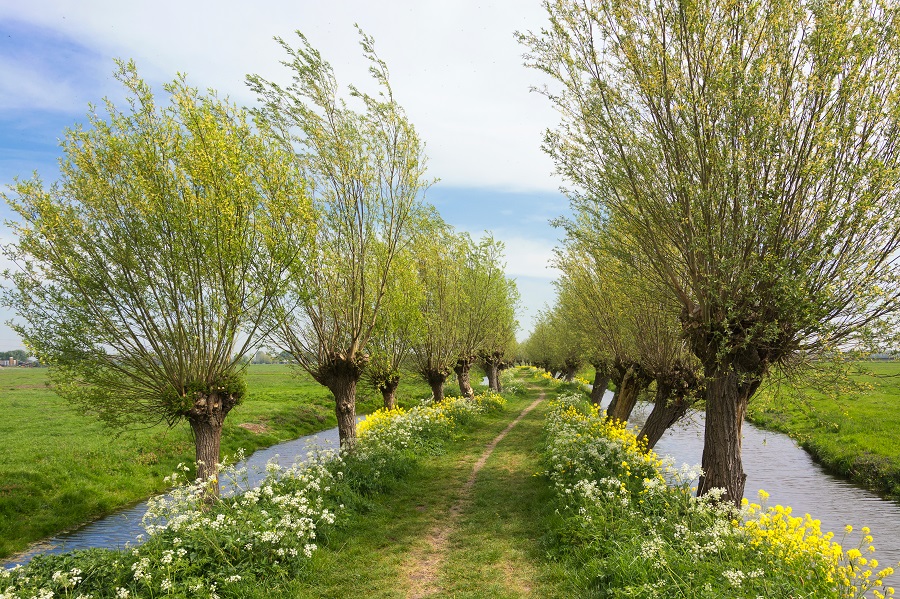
{"points": [[455, 67]]}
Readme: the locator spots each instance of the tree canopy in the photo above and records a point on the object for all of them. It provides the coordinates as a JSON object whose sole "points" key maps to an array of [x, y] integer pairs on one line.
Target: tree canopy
{"points": [[365, 170], [145, 271]]}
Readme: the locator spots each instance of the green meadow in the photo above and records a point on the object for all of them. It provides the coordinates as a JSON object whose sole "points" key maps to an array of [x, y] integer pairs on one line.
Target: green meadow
{"points": [[60, 467], [851, 434]]}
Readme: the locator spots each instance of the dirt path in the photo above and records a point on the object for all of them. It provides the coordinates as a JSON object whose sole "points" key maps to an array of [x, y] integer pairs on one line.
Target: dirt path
{"points": [[423, 566]]}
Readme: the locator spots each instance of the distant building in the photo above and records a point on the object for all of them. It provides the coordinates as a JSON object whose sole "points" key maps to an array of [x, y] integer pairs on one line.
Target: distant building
{"points": [[8, 362]]}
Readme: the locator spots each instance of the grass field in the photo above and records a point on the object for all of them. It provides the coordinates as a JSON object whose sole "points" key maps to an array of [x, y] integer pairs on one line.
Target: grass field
{"points": [[60, 467], [852, 435]]}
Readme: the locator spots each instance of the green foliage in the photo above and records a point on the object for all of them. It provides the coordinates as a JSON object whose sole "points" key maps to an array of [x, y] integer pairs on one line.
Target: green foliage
{"points": [[489, 300], [365, 171], [757, 181], [146, 269], [745, 155], [439, 263]]}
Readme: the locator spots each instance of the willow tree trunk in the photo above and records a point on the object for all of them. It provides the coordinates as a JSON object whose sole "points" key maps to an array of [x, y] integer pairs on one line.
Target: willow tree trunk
{"points": [[727, 395], [493, 374], [436, 380], [343, 387], [389, 392], [206, 418], [626, 397], [462, 376], [601, 381], [666, 412], [569, 373]]}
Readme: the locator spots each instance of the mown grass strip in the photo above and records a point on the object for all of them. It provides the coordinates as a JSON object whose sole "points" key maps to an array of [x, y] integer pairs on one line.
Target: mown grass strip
{"points": [[499, 549], [369, 554], [422, 568]]}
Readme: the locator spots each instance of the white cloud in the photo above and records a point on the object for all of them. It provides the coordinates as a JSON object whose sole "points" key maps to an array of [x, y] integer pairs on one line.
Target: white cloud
{"points": [[529, 258], [455, 66], [21, 86]]}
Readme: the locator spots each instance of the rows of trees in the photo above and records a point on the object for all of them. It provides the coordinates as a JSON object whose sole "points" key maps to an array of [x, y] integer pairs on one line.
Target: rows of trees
{"points": [[181, 238], [735, 181]]}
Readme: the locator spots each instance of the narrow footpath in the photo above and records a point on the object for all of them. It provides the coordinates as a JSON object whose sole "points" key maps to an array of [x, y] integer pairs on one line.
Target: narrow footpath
{"points": [[488, 543], [467, 524]]}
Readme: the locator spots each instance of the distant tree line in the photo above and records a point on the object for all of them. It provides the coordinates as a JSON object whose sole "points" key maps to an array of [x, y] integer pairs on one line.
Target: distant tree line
{"points": [[20, 355]]}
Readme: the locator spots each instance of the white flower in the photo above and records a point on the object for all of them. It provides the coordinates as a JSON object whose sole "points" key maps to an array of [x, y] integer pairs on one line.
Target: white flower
{"points": [[735, 577]]}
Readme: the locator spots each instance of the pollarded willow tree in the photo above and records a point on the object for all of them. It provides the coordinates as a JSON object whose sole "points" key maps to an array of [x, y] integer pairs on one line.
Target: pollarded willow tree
{"points": [[397, 328], [751, 149], [499, 345], [536, 349], [440, 255], [600, 286], [366, 174], [145, 271], [666, 357], [488, 312]]}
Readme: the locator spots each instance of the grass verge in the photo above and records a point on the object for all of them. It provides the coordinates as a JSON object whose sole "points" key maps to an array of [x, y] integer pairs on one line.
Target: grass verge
{"points": [[852, 434], [627, 525], [397, 483]]}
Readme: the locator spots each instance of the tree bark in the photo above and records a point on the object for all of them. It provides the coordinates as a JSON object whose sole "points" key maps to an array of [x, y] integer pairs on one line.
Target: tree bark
{"points": [[436, 380], [343, 387], [341, 374], [500, 368], [634, 381], [625, 398], [389, 392], [667, 410], [601, 381], [727, 395], [462, 376], [206, 418], [617, 375], [493, 374]]}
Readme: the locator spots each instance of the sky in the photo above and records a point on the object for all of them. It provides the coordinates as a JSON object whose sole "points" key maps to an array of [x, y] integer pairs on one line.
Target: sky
{"points": [[455, 67]]}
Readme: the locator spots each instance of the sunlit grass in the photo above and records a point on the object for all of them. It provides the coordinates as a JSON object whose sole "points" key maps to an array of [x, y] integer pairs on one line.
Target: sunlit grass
{"points": [[60, 467], [853, 435]]}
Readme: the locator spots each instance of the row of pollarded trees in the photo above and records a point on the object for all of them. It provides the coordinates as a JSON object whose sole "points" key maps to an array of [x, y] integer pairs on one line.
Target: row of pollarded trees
{"points": [[607, 315], [182, 237], [744, 156]]}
